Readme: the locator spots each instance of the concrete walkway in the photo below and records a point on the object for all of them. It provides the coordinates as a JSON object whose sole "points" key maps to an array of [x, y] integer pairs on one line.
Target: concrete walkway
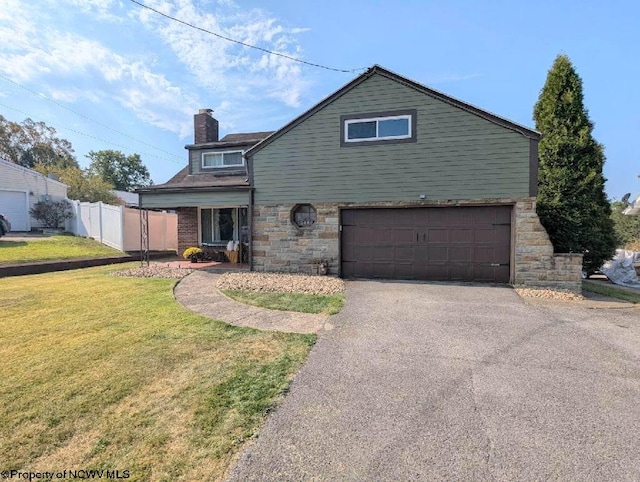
{"points": [[197, 292]]}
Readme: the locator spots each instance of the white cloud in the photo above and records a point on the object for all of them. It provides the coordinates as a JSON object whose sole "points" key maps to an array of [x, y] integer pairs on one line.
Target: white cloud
{"points": [[100, 8], [223, 65], [47, 50], [88, 70]]}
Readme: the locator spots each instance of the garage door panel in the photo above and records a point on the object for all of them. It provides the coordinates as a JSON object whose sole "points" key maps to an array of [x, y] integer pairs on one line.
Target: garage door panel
{"points": [[484, 216], [404, 253], [437, 272], [438, 235], [405, 271], [350, 218], [382, 270], [404, 236], [421, 253], [383, 253], [448, 243], [460, 272], [384, 218], [503, 216], [13, 204], [362, 235], [404, 217], [484, 235], [437, 253], [461, 235], [383, 236], [484, 273], [503, 235], [484, 254], [460, 254]]}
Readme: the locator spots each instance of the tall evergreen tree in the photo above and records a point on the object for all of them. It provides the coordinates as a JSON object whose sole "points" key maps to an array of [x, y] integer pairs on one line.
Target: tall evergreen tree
{"points": [[572, 205]]}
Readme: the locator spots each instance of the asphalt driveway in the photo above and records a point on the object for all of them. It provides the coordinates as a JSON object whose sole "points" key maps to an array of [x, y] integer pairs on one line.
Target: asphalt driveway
{"points": [[439, 381]]}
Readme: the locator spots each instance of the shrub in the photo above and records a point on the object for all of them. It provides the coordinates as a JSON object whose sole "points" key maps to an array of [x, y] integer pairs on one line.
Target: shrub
{"points": [[633, 245], [191, 252], [51, 213]]}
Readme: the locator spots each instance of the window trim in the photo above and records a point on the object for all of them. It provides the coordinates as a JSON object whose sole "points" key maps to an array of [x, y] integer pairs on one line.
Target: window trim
{"points": [[237, 234], [209, 153], [295, 208], [410, 114]]}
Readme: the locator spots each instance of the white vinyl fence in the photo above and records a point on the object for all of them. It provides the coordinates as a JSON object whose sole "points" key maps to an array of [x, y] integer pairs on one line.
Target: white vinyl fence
{"points": [[119, 227]]}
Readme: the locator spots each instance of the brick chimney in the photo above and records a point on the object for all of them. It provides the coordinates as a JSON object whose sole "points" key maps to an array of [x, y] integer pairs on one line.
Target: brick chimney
{"points": [[205, 127]]}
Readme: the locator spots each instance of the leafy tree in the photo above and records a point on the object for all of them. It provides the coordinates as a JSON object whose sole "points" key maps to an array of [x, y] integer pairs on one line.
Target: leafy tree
{"points": [[82, 185], [572, 204], [31, 143], [126, 173], [627, 227]]}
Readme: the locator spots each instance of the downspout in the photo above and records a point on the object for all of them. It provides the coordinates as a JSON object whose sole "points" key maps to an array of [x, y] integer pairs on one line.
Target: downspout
{"points": [[250, 220], [249, 164]]}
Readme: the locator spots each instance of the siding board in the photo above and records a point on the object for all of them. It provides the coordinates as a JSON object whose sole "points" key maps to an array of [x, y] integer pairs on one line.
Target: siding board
{"points": [[458, 155], [192, 199]]}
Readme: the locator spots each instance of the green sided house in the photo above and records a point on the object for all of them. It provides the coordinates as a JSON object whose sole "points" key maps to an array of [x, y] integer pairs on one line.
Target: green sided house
{"points": [[385, 178]]}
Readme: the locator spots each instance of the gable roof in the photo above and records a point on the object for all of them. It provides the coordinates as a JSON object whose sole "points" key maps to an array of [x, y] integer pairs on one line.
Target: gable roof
{"points": [[376, 69], [26, 170], [183, 180]]}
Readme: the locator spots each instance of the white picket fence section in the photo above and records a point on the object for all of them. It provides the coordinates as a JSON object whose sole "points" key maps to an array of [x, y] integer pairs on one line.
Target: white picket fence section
{"points": [[119, 226]]}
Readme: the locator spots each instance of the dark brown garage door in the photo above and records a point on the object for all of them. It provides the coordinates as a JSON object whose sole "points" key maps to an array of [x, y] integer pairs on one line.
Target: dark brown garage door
{"points": [[440, 244]]}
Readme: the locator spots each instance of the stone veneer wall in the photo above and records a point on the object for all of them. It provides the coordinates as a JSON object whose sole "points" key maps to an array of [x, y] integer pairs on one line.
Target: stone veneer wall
{"points": [[187, 228], [280, 246], [535, 262]]}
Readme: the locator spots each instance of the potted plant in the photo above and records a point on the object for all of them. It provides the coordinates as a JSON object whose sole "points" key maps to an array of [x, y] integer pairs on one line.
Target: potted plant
{"points": [[193, 253]]}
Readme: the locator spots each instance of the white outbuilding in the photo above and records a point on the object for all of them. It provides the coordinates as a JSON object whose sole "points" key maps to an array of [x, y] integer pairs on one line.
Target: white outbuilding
{"points": [[20, 189]]}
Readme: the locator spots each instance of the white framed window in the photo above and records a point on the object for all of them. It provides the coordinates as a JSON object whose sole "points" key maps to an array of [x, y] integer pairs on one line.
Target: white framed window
{"points": [[222, 159], [220, 225], [378, 128]]}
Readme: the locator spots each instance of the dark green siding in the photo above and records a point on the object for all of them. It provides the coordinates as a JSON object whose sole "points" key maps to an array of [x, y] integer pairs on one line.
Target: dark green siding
{"points": [[195, 161], [195, 198], [195, 158], [458, 155]]}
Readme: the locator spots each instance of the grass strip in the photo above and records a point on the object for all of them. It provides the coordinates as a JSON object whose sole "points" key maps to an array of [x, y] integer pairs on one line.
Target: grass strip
{"points": [[304, 303], [611, 291]]}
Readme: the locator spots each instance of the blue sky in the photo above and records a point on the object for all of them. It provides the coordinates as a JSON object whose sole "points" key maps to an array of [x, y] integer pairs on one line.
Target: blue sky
{"points": [[108, 74]]}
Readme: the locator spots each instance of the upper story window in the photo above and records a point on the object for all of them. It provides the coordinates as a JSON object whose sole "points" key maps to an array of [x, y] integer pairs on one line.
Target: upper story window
{"points": [[382, 127], [222, 159]]}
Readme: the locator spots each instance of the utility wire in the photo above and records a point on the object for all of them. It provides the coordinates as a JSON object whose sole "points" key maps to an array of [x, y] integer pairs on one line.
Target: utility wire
{"points": [[243, 43], [148, 154], [87, 117]]}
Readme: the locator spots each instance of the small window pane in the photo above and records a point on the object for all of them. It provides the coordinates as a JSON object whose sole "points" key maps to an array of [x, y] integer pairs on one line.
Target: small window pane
{"points": [[233, 159], [206, 225], [304, 215], [212, 160], [393, 127], [361, 130]]}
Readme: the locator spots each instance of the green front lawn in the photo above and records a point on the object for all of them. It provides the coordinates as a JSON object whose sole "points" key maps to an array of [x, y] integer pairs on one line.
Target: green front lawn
{"points": [[102, 372], [52, 248], [326, 304]]}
